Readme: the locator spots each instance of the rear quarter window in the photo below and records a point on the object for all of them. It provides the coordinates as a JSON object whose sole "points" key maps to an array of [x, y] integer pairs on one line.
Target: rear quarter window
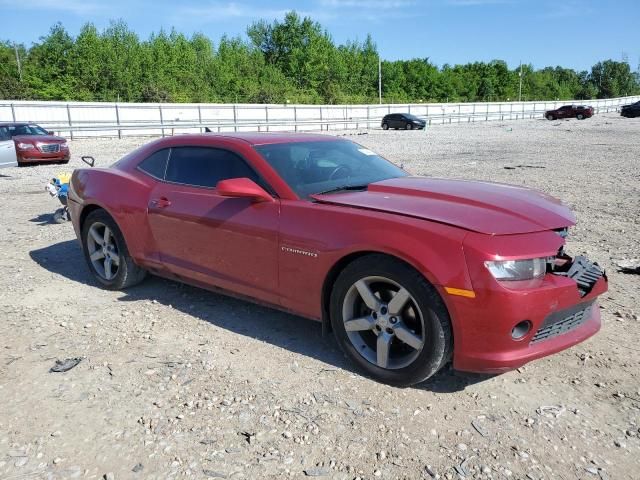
{"points": [[155, 164]]}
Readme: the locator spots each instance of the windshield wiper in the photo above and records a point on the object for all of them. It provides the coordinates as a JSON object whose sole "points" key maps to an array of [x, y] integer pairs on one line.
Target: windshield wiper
{"points": [[345, 188]]}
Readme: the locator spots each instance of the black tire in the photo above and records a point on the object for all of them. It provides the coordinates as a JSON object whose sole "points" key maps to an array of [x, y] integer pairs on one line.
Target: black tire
{"points": [[127, 273], [438, 341], [550, 117], [408, 126], [580, 116], [60, 216], [63, 162], [385, 126]]}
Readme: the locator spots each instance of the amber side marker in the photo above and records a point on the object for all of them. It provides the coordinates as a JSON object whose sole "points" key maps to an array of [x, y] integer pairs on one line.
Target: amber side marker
{"points": [[460, 292]]}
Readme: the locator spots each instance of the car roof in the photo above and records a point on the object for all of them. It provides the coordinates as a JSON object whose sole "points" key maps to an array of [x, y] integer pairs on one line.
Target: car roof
{"points": [[258, 138], [15, 124]]}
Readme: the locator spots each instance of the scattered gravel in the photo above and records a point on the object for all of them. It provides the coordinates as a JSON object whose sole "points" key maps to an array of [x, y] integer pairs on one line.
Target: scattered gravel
{"points": [[191, 384]]}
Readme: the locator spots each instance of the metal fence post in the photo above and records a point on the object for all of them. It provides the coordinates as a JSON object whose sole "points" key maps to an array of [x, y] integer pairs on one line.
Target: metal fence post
{"points": [[118, 121], [69, 119], [161, 118], [368, 116], [295, 118], [200, 118], [235, 118], [321, 126], [13, 112], [266, 116]]}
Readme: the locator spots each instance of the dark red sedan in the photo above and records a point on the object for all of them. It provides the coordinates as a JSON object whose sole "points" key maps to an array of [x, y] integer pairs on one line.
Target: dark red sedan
{"points": [[409, 272], [34, 144], [570, 111]]}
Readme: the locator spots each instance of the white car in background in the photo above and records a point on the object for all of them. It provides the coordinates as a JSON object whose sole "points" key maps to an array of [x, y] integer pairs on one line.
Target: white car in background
{"points": [[8, 157]]}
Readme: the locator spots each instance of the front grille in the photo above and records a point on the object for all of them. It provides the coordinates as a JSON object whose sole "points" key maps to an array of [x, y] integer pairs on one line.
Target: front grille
{"points": [[50, 148], [563, 321]]}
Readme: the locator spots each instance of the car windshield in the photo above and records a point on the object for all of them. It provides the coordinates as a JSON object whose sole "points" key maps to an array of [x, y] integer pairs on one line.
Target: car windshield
{"points": [[316, 167], [26, 130]]}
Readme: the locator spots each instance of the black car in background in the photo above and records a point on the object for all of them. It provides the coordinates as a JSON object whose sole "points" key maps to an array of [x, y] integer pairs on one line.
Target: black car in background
{"points": [[630, 111], [406, 121]]}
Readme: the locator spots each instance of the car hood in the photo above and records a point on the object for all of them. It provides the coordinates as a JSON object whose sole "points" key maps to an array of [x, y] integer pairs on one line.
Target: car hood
{"points": [[484, 207], [39, 139]]}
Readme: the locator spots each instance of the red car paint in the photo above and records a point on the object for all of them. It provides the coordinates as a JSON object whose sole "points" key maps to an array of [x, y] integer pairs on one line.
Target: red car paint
{"points": [[286, 252]]}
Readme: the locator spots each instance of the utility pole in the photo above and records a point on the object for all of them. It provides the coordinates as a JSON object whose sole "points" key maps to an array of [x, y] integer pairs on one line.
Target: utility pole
{"points": [[520, 89], [380, 80], [15, 47]]}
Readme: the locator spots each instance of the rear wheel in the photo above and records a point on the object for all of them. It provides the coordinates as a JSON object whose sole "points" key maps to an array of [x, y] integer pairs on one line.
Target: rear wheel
{"points": [[390, 321], [106, 253]]}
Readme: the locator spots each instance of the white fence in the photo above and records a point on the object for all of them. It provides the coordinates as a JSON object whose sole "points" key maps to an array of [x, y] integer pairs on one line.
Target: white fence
{"points": [[84, 119]]}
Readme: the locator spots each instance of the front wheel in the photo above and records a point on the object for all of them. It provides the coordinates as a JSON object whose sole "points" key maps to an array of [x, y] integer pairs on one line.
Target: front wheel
{"points": [[409, 126], [390, 320], [106, 253], [385, 126], [550, 117], [580, 116]]}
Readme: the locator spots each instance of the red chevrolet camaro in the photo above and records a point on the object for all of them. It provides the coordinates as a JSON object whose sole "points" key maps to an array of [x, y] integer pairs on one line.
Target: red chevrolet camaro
{"points": [[409, 272]]}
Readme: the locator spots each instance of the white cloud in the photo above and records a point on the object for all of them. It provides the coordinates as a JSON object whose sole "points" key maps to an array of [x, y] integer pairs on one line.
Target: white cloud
{"points": [[220, 11]]}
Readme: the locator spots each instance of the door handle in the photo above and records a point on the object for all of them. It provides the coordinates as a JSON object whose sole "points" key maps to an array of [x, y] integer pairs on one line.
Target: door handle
{"points": [[161, 202]]}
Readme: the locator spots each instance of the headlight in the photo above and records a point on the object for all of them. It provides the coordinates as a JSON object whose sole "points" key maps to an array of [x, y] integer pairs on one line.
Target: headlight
{"points": [[64, 145], [509, 270], [25, 146]]}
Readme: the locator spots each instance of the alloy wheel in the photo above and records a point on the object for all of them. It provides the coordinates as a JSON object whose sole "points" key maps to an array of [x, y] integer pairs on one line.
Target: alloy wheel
{"points": [[103, 251], [383, 322]]}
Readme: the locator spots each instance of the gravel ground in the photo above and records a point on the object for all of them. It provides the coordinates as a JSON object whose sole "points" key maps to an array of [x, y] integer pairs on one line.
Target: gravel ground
{"points": [[177, 382]]}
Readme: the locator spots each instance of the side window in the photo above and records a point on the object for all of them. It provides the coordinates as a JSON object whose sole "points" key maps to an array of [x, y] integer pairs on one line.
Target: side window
{"points": [[4, 134], [155, 164], [205, 167]]}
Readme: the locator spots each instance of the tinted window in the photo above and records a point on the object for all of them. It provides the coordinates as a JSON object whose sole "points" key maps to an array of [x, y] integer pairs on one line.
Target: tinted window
{"points": [[4, 134], [408, 116], [27, 130], [155, 164], [205, 167]]}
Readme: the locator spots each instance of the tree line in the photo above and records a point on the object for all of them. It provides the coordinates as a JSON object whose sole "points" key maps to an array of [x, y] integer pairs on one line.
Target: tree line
{"points": [[294, 60]]}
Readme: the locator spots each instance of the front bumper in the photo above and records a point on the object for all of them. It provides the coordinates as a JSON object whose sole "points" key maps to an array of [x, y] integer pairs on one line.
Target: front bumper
{"points": [[559, 315], [35, 156]]}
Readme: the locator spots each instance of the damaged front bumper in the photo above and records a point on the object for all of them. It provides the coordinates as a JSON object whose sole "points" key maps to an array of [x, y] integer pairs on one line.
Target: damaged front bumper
{"points": [[508, 324]]}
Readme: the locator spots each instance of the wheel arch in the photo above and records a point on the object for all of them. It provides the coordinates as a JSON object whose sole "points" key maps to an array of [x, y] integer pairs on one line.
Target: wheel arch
{"points": [[92, 207], [341, 264], [86, 210]]}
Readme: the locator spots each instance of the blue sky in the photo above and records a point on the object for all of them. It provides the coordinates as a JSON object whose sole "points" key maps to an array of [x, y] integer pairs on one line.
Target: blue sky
{"points": [[572, 33]]}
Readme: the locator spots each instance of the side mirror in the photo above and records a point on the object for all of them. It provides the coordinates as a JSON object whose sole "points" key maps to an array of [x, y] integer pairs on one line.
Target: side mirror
{"points": [[243, 187], [51, 132], [88, 160]]}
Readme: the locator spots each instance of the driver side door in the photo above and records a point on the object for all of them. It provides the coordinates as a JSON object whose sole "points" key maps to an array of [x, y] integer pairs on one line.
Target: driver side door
{"points": [[230, 243]]}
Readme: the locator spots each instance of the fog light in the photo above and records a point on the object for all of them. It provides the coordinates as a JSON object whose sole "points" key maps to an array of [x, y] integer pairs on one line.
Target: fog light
{"points": [[521, 329]]}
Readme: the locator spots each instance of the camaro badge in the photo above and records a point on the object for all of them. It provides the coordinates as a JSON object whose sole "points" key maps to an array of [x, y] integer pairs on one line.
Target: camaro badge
{"points": [[299, 251]]}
